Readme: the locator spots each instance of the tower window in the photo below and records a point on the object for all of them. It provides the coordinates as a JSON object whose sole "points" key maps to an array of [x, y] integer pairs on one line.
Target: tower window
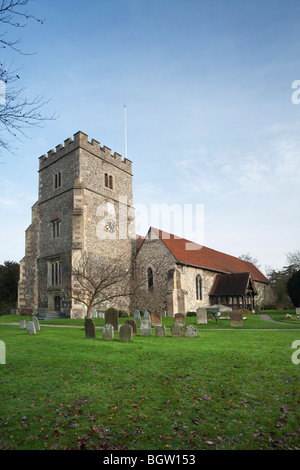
{"points": [[57, 180], [55, 273], [198, 287], [108, 181], [55, 228]]}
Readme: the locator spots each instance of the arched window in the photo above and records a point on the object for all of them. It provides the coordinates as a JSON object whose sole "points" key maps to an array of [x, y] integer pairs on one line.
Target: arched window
{"points": [[106, 180], [150, 278], [198, 287], [111, 182]]}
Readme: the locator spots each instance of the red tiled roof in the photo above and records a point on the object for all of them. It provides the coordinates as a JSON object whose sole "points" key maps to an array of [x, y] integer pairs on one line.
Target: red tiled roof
{"points": [[193, 254], [139, 242]]}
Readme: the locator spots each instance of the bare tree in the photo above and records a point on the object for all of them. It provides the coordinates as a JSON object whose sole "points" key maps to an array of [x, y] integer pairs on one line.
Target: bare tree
{"points": [[97, 281], [16, 111], [247, 257]]}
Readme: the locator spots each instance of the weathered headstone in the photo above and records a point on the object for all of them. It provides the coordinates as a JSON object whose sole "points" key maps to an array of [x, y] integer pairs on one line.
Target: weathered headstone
{"points": [[136, 315], [133, 324], [108, 332], [236, 319], [147, 315], [160, 330], [179, 319], [298, 311], [201, 316], [112, 317], [145, 328], [156, 319], [90, 330], [125, 333], [23, 324], [191, 331], [30, 328], [36, 323], [177, 331]]}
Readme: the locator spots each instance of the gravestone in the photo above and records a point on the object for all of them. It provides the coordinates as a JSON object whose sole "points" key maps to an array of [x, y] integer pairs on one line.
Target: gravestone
{"points": [[112, 317], [23, 324], [30, 328], [90, 330], [147, 315], [179, 319], [298, 311], [145, 328], [136, 315], [236, 319], [133, 324], [108, 332], [201, 316], [94, 313], [101, 315], [191, 331], [160, 330], [2, 353], [36, 323], [177, 331], [156, 319], [125, 333]]}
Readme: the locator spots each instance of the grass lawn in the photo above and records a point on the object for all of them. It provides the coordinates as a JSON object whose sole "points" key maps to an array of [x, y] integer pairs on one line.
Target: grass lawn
{"points": [[235, 389]]}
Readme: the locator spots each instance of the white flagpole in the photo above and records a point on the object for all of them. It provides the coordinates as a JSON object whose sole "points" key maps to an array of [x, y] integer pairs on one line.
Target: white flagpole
{"points": [[125, 131]]}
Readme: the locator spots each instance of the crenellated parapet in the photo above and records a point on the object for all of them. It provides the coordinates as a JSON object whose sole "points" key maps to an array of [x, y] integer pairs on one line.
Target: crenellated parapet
{"points": [[80, 141]]}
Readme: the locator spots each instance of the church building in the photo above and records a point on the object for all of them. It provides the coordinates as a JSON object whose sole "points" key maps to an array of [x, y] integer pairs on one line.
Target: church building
{"points": [[85, 207]]}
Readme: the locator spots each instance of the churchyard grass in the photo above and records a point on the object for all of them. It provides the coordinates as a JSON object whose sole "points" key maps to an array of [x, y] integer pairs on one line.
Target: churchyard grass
{"points": [[234, 389]]}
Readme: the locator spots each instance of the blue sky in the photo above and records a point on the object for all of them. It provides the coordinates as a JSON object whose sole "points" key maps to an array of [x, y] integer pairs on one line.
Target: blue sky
{"points": [[210, 119]]}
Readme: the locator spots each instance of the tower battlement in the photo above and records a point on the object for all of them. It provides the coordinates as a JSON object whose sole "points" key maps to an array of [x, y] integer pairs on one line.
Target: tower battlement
{"points": [[80, 140]]}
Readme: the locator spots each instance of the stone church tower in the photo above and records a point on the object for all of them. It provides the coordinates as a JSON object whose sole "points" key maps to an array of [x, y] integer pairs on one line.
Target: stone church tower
{"points": [[85, 206]]}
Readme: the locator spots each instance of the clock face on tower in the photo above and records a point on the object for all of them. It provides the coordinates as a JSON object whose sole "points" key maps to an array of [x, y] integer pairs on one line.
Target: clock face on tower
{"points": [[110, 226]]}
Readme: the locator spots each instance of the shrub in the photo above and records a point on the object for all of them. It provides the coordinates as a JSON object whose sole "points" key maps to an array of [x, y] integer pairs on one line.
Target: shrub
{"points": [[191, 314]]}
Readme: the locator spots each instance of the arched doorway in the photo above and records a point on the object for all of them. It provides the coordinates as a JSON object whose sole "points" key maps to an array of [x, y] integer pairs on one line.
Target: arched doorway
{"points": [[57, 303]]}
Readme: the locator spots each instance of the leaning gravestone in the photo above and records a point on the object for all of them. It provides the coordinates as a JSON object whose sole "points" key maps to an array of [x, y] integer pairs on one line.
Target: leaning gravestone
{"points": [[112, 317], [156, 319], [133, 324], [137, 315], [108, 332], [191, 331], [125, 333], [160, 330], [236, 319], [145, 328], [201, 316], [30, 328], [177, 331], [36, 323], [179, 319], [23, 324]]}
